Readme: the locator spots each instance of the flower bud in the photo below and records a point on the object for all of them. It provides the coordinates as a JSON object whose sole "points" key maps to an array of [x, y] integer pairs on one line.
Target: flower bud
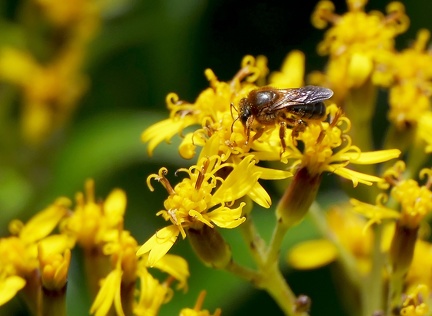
{"points": [[210, 246], [298, 198], [402, 248]]}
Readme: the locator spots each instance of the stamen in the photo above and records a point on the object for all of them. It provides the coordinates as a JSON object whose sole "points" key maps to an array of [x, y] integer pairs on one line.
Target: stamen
{"points": [[200, 301], [426, 173], [160, 177], [201, 175]]}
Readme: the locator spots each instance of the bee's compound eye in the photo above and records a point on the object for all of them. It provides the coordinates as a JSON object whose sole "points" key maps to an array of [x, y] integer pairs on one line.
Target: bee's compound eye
{"points": [[245, 113]]}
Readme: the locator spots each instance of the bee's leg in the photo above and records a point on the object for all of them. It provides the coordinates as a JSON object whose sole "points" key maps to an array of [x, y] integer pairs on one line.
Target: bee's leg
{"points": [[247, 132], [258, 134], [298, 127], [248, 126], [282, 128]]}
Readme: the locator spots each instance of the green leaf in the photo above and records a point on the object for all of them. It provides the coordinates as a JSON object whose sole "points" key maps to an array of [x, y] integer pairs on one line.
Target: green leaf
{"points": [[104, 145]]}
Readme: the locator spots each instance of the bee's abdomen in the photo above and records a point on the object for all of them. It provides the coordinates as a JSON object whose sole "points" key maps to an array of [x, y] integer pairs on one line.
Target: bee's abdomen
{"points": [[310, 111]]}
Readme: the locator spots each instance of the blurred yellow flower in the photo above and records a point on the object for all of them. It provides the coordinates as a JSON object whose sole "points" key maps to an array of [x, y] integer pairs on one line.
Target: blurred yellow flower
{"points": [[416, 302], [152, 293], [408, 75], [92, 222], [348, 231], [50, 91], [355, 40], [19, 253], [415, 201]]}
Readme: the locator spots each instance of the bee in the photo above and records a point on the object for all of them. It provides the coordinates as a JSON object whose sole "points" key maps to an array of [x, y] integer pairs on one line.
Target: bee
{"points": [[290, 108]]}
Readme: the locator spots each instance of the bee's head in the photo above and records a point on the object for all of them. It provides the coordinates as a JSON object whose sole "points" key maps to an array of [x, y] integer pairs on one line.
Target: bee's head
{"points": [[245, 111]]}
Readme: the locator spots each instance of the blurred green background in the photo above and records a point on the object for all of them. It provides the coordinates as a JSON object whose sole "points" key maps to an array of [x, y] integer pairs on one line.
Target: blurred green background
{"points": [[143, 52]]}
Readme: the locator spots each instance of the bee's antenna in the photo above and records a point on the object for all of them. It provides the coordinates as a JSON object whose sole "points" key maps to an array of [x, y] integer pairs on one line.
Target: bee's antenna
{"points": [[232, 125], [231, 107]]}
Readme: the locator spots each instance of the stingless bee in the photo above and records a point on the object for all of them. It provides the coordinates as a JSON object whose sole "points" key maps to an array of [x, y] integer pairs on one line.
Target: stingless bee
{"points": [[292, 108]]}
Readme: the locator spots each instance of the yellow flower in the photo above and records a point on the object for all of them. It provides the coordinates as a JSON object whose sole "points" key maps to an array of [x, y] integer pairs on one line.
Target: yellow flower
{"points": [[118, 286], [420, 271], [54, 254], [211, 111], [424, 130], [355, 40], [292, 73], [201, 199], [415, 204], [376, 213], [50, 91], [92, 222], [409, 75], [19, 253], [65, 14], [327, 147], [416, 302], [415, 201], [152, 293], [347, 229], [110, 292]]}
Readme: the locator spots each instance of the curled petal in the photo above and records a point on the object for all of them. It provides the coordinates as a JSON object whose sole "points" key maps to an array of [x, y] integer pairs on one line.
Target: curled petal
{"points": [[260, 196], [356, 177], [226, 217], [366, 158], [165, 130], [159, 244]]}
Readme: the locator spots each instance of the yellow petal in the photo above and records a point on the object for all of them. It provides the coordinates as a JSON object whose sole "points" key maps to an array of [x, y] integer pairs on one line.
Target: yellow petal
{"points": [[292, 72], [175, 266], [17, 66], [226, 217], [159, 244], [355, 176], [367, 158], [359, 68], [238, 183], [164, 130], [107, 294], [115, 206], [272, 174], [312, 254], [260, 196], [45, 221], [9, 287]]}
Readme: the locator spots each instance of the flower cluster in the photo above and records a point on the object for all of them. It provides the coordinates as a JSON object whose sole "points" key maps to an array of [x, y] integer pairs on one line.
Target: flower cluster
{"points": [[35, 259], [238, 135]]}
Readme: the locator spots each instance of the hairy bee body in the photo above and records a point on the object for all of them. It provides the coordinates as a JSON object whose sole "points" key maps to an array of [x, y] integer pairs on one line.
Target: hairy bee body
{"points": [[292, 107]]}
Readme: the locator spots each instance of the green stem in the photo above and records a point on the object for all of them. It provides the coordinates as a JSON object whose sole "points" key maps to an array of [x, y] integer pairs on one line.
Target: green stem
{"points": [[54, 302], [31, 293], [97, 266], [372, 291], [347, 260], [273, 251], [243, 272], [254, 241], [394, 293], [274, 283]]}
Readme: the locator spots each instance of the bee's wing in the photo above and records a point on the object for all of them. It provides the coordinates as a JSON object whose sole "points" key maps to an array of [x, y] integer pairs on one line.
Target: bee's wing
{"points": [[298, 96]]}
